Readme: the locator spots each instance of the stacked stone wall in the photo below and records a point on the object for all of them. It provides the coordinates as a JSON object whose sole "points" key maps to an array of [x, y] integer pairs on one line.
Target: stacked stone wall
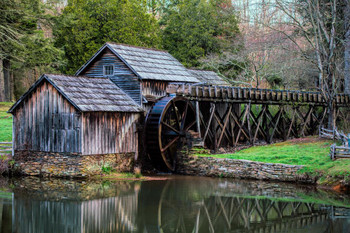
{"points": [[242, 169], [37, 163]]}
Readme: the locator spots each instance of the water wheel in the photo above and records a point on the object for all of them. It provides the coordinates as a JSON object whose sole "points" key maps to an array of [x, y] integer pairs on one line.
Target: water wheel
{"points": [[167, 128]]}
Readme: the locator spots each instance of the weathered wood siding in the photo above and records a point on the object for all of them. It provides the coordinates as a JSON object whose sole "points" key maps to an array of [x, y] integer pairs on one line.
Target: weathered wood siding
{"points": [[123, 76], [108, 132], [154, 88], [46, 121], [111, 214]]}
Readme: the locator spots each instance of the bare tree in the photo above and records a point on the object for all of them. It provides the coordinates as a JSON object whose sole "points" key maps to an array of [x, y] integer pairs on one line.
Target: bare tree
{"points": [[317, 21], [347, 46]]}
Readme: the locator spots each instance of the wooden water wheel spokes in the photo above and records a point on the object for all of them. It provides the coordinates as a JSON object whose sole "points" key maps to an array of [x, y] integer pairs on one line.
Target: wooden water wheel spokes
{"points": [[167, 126]]}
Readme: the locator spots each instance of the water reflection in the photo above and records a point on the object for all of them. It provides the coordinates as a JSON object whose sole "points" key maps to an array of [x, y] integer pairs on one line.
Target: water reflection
{"points": [[179, 204]]}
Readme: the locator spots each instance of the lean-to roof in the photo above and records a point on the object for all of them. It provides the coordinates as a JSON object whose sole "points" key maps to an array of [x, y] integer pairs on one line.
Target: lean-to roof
{"points": [[208, 77]]}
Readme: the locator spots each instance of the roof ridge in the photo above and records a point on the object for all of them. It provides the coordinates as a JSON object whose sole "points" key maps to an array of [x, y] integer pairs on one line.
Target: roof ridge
{"points": [[75, 76], [135, 46]]}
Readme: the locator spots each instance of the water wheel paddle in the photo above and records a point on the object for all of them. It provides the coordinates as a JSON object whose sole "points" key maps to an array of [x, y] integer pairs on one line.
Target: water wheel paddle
{"points": [[167, 127]]}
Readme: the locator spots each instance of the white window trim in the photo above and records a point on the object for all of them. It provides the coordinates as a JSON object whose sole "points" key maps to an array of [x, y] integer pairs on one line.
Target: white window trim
{"points": [[104, 70]]}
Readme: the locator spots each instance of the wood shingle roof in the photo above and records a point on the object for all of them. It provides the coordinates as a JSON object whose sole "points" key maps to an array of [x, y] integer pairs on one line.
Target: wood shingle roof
{"points": [[148, 64], [88, 94], [209, 77]]}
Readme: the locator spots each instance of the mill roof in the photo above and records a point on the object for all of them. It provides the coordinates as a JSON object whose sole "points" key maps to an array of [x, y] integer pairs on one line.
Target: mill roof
{"points": [[208, 77], [88, 94], [147, 63]]}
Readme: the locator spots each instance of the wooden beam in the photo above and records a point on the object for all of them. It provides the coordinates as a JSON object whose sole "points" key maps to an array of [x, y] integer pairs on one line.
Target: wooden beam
{"points": [[275, 124], [205, 127], [225, 125], [248, 122], [306, 121], [259, 122], [241, 126], [212, 109], [197, 116], [218, 120]]}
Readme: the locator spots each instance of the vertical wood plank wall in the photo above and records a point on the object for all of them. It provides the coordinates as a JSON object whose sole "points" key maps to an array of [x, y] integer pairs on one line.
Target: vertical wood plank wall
{"points": [[108, 132], [123, 76], [33, 215], [46, 121], [154, 88], [109, 214]]}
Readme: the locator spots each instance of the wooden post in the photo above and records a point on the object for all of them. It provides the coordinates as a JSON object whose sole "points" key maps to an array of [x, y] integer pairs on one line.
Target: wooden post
{"points": [[197, 118], [266, 125], [249, 125], [225, 125], [260, 118], [212, 111], [283, 123]]}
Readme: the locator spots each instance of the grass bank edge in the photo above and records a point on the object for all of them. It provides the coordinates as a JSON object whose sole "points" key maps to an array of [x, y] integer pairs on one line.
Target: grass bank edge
{"points": [[311, 152]]}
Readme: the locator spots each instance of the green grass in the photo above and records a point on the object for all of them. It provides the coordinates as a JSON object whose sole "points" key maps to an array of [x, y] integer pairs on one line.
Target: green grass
{"points": [[5, 122], [311, 152]]}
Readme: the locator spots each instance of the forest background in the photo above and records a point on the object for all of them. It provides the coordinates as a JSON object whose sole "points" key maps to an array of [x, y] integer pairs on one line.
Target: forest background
{"points": [[287, 44]]}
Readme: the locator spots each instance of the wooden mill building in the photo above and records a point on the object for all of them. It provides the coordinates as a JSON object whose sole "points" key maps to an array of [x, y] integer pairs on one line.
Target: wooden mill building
{"points": [[141, 72], [75, 125]]}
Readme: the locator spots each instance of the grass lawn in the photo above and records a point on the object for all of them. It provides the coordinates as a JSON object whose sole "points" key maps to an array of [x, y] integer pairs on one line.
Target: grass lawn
{"points": [[5, 122], [311, 152]]}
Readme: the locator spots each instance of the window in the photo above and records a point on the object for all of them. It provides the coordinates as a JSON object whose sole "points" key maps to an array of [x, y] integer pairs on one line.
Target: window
{"points": [[108, 70]]}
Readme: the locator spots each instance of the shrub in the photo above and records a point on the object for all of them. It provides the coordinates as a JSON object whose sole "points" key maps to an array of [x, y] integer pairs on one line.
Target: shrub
{"points": [[106, 168]]}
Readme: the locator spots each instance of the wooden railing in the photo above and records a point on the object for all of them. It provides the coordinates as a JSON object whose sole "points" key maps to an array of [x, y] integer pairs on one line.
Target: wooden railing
{"points": [[252, 94], [333, 134], [5, 148], [339, 152], [336, 151]]}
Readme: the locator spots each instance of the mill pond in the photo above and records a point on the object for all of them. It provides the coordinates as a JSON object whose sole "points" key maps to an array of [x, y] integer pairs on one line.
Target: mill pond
{"points": [[169, 204]]}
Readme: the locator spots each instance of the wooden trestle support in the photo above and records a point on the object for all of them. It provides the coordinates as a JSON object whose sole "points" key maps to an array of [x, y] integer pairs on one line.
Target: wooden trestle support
{"points": [[229, 116], [228, 124]]}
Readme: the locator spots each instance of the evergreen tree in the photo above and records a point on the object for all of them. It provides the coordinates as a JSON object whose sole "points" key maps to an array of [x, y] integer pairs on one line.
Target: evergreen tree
{"points": [[84, 26], [24, 50], [196, 28]]}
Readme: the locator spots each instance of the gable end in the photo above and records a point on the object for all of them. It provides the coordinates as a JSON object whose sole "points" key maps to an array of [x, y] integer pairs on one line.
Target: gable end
{"points": [[34, 87]]}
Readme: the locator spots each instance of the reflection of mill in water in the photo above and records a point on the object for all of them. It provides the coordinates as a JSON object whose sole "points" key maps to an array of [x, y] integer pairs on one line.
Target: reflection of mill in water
{"points": [[106, 214], [167, 207], [234, 214]]}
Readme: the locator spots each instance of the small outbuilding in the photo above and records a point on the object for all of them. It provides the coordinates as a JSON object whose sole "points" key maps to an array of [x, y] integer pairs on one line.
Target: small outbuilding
{"points": [[74, 126]]}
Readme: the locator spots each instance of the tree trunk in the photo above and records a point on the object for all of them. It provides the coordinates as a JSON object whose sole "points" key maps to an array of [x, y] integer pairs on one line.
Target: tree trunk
{"points": [[12, 86], [2, 89], [331, 115], [7, 79], [347, 48]]}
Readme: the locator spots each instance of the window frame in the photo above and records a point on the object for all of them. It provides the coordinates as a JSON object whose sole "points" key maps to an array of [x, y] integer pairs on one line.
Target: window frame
{"points": [[105, 69]]}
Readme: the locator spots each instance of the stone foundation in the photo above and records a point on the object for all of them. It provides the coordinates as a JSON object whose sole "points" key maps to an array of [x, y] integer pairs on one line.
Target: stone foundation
{"points": [[37, 163], [242, 169]]}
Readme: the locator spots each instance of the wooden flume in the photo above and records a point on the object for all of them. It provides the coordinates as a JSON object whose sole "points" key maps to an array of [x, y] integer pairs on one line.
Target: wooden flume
{"points": [[228, 116]]}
